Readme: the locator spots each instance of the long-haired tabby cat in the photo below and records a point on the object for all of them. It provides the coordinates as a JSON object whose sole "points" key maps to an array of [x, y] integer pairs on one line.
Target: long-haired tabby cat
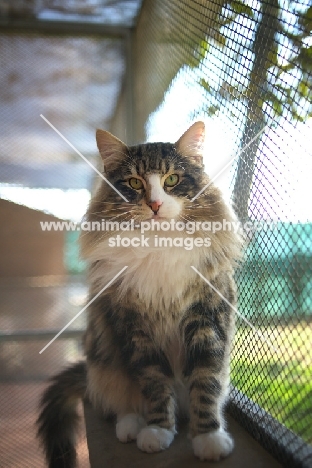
{"points": [[158, 339]]}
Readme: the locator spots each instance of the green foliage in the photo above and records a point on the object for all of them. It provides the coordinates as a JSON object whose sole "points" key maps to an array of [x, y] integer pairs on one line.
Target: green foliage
{"points": [[205, 85], [306, 21], [212, 110], [240, 8], [200, 53], [299, 63], [288, 63]]}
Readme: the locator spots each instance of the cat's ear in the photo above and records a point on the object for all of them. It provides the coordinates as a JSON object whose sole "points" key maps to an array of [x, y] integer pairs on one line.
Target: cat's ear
{"points": [[191, 143], [112, 150]]}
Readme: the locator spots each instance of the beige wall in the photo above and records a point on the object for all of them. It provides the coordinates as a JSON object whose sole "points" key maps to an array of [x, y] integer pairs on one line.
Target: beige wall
{"points": [[26, 250]]}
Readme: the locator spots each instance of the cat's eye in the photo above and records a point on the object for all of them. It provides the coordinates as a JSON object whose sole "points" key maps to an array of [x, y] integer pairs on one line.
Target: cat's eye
{"points": [[136, 184], [172, 180]]}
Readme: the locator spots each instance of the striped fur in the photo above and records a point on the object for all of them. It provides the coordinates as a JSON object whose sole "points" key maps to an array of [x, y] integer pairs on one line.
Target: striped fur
{"points": [[158, 340]]}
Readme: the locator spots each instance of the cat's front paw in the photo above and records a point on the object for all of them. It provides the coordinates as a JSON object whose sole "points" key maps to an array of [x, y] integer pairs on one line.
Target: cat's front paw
{"points": [[213, 445], [154, 439], [128, 427]]}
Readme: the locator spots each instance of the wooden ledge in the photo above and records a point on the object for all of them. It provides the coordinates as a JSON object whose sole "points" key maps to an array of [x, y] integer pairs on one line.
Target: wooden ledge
{"points": [[106, 451]]}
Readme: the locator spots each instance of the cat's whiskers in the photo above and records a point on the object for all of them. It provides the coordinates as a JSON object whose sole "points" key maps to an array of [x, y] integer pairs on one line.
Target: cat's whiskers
{"points": [[202, 206], [102, 212], [206, 194], [194, 206], [199, 208], [120, 208], [192, 220], [120, 214], [105, 234], [209, 218], [189, 220], [115, 203], [214, 203], [110, 218]]}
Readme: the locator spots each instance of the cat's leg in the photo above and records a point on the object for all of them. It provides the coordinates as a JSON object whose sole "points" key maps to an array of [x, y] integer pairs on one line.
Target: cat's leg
{"points": [[207, 334], [151, 370], [126, 373], [155, 378]]}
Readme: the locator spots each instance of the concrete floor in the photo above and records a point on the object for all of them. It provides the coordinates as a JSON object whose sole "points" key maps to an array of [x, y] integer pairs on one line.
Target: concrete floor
{"points": [[106, 451], [19, 447], [23, 371]]}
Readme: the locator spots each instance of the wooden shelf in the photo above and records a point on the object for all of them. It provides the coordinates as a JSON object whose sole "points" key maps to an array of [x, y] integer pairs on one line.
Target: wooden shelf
{"points": [[106, 451]]}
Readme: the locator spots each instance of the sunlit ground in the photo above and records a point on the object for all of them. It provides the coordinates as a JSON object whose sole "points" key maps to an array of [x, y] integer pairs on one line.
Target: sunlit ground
{"points": [[276, 374]]}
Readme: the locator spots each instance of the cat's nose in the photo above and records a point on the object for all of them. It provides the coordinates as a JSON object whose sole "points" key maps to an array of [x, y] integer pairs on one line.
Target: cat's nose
{"points": [[155, 205]]}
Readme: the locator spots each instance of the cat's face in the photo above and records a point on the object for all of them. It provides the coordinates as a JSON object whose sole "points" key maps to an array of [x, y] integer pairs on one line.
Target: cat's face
{"points": [[159, 182], [157, 179]]}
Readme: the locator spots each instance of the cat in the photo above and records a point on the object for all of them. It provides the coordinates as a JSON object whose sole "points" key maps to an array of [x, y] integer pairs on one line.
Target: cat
{"points": [[158, 339]]}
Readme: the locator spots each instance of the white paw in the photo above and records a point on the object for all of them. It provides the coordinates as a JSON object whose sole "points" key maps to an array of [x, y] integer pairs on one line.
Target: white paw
{"points": [[128, 427], [213, 445], [154, 439]]}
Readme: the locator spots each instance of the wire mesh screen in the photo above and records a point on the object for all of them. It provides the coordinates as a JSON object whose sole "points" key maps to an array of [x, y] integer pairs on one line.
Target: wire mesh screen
{"points": [[245, 69], [242, 67], [71, 84]]}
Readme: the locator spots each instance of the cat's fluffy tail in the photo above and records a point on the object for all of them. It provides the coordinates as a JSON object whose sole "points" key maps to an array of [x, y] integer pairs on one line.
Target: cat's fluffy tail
{"points": [[58, 419]]}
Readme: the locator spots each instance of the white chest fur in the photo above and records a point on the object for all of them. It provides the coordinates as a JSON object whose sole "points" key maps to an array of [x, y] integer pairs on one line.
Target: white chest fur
{"points": [[158, 275]]}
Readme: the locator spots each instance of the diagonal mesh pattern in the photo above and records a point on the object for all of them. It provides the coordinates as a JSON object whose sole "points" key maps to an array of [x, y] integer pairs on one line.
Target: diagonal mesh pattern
{"points": [[245, 69], [242, 67]]}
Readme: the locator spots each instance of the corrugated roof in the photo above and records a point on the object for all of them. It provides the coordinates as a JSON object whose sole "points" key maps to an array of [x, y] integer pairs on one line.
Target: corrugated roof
{"points": [[74, 81]]}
